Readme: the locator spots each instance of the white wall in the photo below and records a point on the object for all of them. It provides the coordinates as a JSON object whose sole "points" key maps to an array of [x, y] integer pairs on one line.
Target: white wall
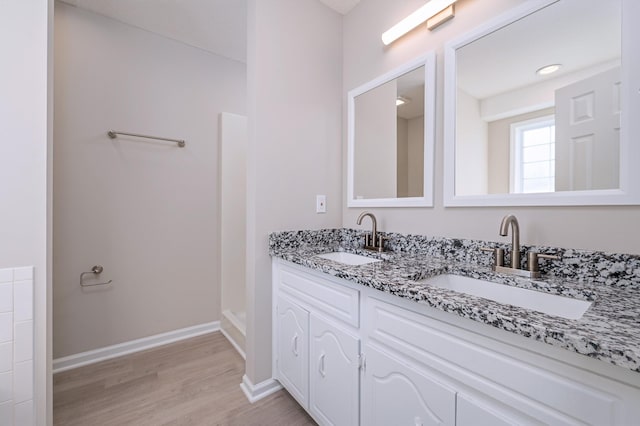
{"points": [[471, 147], [415, 178], [25, 120], [375, 148], [233, 226], [609, 228], [294, 70], [402, 159], [145, 210], [233, 210]]}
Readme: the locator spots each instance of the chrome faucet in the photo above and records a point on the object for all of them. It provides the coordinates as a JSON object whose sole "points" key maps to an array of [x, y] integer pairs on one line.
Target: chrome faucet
{"points": [[515, 238], [533, 270], [372, 241]]}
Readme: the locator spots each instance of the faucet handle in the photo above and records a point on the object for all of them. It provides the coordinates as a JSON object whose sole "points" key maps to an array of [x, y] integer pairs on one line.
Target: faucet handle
{"points": [[499, 255], [533, 257], [380, 242]]}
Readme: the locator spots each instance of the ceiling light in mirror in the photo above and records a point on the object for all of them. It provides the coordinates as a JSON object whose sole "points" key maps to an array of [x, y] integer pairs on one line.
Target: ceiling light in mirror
{"points": [[401, 100], [548, 69]]}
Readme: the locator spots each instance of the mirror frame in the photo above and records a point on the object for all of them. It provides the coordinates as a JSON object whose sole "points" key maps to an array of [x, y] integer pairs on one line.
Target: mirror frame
{"points": [[629, 191], [427, 60]]}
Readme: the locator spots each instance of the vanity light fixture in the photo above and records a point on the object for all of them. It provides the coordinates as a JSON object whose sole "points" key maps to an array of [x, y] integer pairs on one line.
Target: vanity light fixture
{"points": [[548, 69], [435, 12]]}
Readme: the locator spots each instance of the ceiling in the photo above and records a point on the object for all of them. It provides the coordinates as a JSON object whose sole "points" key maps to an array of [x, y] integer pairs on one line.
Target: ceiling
{"points": [[341, 6], [575, 33], [217, 26]]}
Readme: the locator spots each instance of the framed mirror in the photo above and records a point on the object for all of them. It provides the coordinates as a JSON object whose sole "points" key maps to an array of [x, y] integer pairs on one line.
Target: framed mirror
{"points": [[391, 138], [539, 107]]}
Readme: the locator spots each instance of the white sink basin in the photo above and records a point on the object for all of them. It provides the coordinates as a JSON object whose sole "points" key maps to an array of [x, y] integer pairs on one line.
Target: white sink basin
{"points": [[551, 304], [348, 258]]}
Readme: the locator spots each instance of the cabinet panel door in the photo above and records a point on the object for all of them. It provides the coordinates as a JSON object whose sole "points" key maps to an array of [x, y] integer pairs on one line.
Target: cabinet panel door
{"points": [[292, 362], [334, 373], [396, 394], [475, 413]]}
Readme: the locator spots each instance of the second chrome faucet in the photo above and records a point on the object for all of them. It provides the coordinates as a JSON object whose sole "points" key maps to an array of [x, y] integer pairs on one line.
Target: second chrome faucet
{"points": [[532, 271], [372, 241]]}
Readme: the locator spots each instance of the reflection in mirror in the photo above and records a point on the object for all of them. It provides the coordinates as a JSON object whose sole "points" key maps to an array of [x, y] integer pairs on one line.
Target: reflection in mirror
{"points": [[390, 138], [543, 114]]}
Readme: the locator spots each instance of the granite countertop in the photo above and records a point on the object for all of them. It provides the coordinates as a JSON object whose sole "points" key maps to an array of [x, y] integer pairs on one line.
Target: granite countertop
{"points": [[608, 331]]}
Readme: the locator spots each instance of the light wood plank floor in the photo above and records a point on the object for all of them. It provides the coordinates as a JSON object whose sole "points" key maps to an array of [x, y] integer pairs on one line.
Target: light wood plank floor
{"points": [[193, 382]]}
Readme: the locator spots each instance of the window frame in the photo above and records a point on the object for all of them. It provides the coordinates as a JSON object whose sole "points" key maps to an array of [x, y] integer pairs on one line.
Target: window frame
{"points": [[515, 148]]}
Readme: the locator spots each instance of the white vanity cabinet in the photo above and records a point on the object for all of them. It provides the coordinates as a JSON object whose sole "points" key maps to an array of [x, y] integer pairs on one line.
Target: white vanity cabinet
{"points": [[353, 355], [317, 345], [292, 348], [397, 393], [334, 374]]}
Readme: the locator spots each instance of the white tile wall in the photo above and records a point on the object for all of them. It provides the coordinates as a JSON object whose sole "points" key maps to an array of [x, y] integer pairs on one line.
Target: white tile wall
{"points": [[6, 413], [6, 297], [6, 386], [16, 347], [22, 381], [23, 341], [6, 357], [23, 413], [6, 327]]}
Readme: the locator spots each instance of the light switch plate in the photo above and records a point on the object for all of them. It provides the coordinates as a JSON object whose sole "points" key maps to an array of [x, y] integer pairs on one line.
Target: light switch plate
{"points": [[321, 204]]}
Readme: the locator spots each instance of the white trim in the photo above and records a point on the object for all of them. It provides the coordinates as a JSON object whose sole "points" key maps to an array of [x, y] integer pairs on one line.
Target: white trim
{"points": [[239, 327], [427, 60], [114, 351], [234, 344], [629, 191], [233, 319], [259, 391]]}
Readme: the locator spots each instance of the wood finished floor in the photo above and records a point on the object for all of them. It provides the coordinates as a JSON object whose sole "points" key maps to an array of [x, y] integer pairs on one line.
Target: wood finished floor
{"points": [[193, 382]]}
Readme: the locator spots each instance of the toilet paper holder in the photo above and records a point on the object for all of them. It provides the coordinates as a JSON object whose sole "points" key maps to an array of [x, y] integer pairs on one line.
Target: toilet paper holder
{"points": [[96, 270]]}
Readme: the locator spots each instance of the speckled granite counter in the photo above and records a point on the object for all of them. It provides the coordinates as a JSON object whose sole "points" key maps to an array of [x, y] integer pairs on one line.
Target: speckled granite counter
{"points": [[608, 331]]}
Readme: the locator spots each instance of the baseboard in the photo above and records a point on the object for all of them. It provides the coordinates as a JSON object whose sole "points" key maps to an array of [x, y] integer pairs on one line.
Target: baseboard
{"points": [[233, 319], [233, 343], [259, 391], [90, 357], [234, 330]]}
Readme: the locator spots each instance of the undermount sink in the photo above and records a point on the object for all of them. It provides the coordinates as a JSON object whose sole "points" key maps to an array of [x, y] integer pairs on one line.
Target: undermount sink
{"points": [[348, 258], [550, 304]]}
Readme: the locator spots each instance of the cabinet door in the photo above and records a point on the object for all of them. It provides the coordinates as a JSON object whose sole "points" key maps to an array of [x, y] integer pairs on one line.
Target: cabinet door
{"points": [[471, 412], [395, 393], [334, 373], [292, 363]]}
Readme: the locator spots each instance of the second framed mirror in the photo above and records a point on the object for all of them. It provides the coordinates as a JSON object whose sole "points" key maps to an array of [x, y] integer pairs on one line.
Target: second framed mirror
{"points": [[391, 138]]}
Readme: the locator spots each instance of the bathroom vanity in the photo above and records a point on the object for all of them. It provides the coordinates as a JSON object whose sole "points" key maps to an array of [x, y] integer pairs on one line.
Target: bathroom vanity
{"points": [[373, 343]]}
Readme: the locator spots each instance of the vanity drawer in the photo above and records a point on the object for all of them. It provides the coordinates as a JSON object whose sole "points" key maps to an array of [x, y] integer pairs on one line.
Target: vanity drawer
{"points": [[339, 301], [554, 392]]}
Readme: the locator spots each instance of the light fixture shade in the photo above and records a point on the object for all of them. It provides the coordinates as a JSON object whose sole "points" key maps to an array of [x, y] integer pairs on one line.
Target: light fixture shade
{"points": [[415, 19]]}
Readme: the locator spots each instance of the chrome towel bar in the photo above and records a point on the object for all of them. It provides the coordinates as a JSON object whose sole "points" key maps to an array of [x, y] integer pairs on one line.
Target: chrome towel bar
{"points": [[114, 134], [96, 270]]}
